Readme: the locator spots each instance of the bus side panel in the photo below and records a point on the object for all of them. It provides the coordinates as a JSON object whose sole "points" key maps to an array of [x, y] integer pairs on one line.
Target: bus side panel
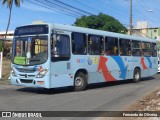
{"points": [[63, 72], [122, 67], [100, 68], [125, 67], [60, 74], [88, 63], [148, 66], [109, 67], [154, 65], [117, 67], [134, 62], [62, 80]]}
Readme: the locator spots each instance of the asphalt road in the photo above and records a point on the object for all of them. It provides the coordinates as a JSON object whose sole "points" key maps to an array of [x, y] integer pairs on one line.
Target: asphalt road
{"points": [[98, 97]]}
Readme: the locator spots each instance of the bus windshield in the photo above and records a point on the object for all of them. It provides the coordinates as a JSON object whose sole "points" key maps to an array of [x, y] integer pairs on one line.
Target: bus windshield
{"points": [[30, 50]]}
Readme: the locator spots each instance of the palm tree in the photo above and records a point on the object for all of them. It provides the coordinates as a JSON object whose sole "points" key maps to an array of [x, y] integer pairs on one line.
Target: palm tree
{"points": [[9, 5]]}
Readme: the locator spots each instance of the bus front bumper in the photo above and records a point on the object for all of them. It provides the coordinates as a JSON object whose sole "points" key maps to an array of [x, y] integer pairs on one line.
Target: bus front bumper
{"points": [[30, 82]]}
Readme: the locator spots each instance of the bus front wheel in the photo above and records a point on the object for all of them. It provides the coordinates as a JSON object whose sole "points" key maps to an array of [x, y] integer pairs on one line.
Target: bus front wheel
{"points": [[136, 75], [80, 82]]}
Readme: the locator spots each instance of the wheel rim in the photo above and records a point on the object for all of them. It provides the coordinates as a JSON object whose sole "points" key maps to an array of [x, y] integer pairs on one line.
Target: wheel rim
{"points": [[79, 82], [137, 76]]}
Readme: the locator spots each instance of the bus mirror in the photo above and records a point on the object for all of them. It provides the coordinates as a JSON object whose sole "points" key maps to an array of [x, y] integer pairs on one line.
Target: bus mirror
{"points": [[55, 38]]}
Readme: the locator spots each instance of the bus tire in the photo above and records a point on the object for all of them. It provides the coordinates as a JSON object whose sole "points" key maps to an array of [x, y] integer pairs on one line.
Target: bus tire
{"points": [[80, 82], [136, 75]]}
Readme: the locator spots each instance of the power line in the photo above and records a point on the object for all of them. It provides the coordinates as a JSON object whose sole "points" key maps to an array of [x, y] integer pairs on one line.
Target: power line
{"points": [[85, 12], [68, 9], [84, 5], [60, 7], [46, 6], [63, 8]]}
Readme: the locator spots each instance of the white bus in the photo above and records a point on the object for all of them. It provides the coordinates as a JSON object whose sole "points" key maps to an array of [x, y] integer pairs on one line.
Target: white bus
{"points": [[55, 55]]}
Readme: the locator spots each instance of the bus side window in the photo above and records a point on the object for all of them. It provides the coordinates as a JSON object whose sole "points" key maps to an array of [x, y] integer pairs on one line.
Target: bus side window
{"points": [[111, 46], [79, 43], [153, 49], [61, 46], [125, 47], [136, 48], [146, 49], [95, 45]]}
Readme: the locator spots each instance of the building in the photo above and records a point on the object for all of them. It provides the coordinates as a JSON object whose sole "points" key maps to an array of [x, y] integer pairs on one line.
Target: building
{"points": [[140, 32], [154, 33], [9, 35], [143, 30], [142, 24]]}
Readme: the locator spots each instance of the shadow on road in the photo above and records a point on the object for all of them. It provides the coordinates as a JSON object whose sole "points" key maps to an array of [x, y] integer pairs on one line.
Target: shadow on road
{"points": [[70, 89], [116, 83], [46, 91]]}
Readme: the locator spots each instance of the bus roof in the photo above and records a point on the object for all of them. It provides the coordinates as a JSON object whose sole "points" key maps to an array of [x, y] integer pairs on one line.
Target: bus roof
{"points": [[100, 32], [96, 32]]}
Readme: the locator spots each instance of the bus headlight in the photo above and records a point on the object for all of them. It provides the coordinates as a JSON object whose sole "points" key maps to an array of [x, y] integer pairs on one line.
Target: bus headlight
{"points": [[42, 73], [13, 73]]}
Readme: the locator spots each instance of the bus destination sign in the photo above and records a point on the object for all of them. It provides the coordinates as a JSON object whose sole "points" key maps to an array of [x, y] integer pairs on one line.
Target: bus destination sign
{"points": [[31, 29]]}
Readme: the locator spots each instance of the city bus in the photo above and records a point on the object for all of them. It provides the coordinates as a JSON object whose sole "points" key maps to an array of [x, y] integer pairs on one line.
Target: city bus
{"points": [[56, 55]]}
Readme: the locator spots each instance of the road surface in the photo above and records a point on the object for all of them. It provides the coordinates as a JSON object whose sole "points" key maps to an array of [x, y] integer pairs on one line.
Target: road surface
{"points": [[99, 97]]}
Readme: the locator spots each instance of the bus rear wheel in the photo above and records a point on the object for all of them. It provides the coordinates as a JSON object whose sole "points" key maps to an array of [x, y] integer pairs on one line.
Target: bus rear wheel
{"points": [[136, 75], [80, 82]]}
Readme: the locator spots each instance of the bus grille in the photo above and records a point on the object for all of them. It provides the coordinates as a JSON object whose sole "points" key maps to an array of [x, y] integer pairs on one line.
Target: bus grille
{"points": [[27, 75], [26, 81], [26, 70]]}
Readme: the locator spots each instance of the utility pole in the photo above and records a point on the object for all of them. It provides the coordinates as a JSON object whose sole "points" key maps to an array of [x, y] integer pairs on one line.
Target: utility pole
{"points": [[130, 17]]}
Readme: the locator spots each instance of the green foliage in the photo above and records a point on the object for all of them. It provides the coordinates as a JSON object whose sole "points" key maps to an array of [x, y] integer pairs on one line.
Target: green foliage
{"points": [[9, 2], [101, 22]]}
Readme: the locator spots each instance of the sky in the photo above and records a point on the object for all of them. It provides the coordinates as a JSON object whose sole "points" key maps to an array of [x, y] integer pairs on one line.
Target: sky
{"points": [[143, 10]]}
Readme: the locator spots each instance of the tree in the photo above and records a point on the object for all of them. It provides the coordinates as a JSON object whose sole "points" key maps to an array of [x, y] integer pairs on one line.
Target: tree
{"points": [[101, 22], [9, 5]]}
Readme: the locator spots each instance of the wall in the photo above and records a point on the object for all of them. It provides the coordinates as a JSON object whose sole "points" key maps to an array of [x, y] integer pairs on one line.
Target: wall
{"points": [[153, 32]]}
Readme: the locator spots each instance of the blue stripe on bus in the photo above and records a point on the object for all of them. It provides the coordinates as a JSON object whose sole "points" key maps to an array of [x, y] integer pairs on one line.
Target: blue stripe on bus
{"points": [[121, 65]]}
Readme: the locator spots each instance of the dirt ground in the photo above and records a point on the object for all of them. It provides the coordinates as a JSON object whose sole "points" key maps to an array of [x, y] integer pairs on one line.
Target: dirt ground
{"points": [[151, 102], [6, 68], [148, 103]]}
